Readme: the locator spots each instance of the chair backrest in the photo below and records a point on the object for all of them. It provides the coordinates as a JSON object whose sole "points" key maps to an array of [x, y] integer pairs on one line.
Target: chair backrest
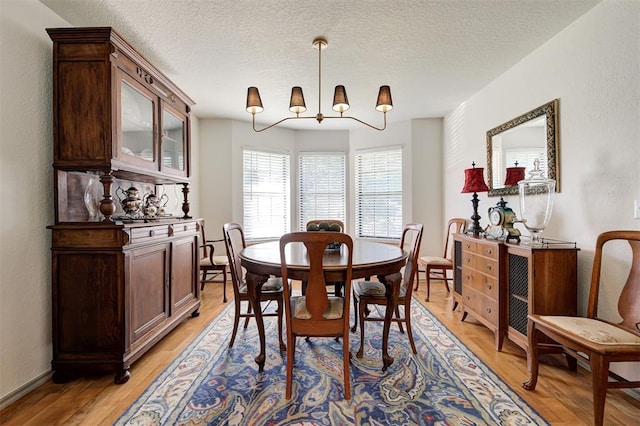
{"points": [[629, 301], [317, 299], [327, 221], [410, 241], [203, 240], [234, 241], [456, 225]]}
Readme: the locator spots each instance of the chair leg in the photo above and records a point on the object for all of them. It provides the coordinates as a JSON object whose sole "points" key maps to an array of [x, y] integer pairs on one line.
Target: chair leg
{"points": [[600, 376], [533, 356], [360, 313], [224, 285], [283, 347], [399, 322], [291, 347], [203, 280], [236, 320], [428, 277], [346, 359], [446, 280], [407, 318], [355, 310], [246, 320]]}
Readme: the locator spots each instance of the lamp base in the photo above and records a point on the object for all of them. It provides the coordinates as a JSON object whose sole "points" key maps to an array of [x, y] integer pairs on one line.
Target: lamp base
{"points": [[475, 228]]}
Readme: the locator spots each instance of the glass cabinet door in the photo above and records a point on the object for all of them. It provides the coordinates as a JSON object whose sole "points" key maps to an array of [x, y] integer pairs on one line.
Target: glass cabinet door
{"points": [[173, 142], [137, 121]]}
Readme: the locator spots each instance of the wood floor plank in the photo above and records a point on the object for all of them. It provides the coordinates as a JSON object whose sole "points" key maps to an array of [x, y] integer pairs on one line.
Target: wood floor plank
{"points": [[561, 397]]}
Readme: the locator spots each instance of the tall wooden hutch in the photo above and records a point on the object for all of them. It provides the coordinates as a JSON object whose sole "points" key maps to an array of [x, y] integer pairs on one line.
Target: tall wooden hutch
{"points": [[121, 279]]}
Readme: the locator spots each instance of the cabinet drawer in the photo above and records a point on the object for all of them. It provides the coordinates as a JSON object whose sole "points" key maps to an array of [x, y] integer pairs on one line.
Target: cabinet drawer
{"points": [[184, 228], [482, 283], [480, 304], [487, 250], [487, 266], [149, 233]]}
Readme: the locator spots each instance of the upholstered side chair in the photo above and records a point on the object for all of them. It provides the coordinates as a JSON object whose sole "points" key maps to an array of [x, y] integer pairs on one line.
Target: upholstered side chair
{"points": [[367, 293], [271, 290], [438, 267], [316, 314], [591, 338], [211, 263]]}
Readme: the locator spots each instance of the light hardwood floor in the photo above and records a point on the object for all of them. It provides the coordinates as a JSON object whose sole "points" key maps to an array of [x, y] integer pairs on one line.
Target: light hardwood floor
{"points": [[561, 397]]}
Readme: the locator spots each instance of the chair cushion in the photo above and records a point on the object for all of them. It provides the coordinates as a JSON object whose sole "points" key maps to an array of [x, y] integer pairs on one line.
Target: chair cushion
{"points": [[334, 310], [273, 285], [217, 261], [593, 330], [433, 260], [373, 289]]}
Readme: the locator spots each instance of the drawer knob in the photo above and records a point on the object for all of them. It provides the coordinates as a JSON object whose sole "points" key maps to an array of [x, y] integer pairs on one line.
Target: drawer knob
{"points": [[468, 277], [489, 286], [467, 259], [152, 233], [489, 267], [468, 246], [468, 298], [488, 310], [489, 251]]}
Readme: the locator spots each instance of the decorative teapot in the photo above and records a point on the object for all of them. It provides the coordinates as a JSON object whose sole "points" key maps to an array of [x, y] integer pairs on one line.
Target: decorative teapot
{"points": [[130, 201], [154, 205]]}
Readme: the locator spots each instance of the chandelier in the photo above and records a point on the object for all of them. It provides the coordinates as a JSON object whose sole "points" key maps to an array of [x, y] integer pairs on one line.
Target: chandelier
{"points": [[340, 100]]}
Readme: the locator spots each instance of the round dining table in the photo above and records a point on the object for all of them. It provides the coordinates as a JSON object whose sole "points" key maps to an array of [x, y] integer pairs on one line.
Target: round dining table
{"points": [[370, 259]]}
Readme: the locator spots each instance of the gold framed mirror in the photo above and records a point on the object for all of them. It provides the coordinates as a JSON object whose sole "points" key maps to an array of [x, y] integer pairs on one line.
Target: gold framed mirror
{"points": [[530, 136]]}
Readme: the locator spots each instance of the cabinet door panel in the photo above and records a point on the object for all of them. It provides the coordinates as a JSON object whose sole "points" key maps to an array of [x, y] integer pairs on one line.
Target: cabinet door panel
{"points": [[183, 267], [148, 278], [137, 124], [173, 143]]}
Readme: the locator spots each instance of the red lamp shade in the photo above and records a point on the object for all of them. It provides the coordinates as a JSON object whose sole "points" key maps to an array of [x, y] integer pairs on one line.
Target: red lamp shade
{"points": [[514, 175], [474, 180]]}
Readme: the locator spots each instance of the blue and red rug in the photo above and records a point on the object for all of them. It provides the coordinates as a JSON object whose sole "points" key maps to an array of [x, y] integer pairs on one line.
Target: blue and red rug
{"points": [[444, 384]]}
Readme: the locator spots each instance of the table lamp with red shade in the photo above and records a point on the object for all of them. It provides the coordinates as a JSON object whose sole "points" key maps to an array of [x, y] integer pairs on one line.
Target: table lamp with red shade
{"points": [[474, 182]]}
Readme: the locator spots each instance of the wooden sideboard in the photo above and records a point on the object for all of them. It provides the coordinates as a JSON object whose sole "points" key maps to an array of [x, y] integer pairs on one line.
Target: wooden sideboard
{"points": [[121, 278], [501, 283]]}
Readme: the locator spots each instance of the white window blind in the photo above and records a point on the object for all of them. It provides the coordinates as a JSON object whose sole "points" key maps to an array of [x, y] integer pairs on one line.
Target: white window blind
{"points": [[525, 158], [378, 178], [322, 189], [266, 188]]}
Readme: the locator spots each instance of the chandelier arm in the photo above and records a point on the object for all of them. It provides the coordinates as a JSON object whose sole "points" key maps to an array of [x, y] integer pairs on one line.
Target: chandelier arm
{"points": [[360, 121], [274, 124]]}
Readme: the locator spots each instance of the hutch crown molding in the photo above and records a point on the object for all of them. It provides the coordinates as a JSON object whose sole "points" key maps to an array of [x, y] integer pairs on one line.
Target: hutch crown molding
{"points": [[123, 275]]}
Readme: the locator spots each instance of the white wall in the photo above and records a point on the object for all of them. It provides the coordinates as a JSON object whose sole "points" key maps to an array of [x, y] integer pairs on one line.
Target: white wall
{"points": [[26, 154], [593, 67]]}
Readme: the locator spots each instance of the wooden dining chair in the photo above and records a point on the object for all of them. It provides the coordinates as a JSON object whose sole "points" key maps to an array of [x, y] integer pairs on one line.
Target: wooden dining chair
{"points": [[367, 293], [271, 290], [217, 265], [592, 338], [436, 267], [316, 314], [334, 225]]}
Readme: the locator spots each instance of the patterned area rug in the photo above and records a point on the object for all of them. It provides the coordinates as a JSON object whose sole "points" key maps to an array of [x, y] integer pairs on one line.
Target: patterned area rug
{"points": [[444, 384]]}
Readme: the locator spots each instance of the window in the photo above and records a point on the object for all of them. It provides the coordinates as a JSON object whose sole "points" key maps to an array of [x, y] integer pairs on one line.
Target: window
{"points": [[378, 192], [322, 187], [266, 187]]}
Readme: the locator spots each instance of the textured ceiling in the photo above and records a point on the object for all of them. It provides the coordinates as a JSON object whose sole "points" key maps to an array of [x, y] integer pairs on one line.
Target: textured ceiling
{"points": [[433, 54]]}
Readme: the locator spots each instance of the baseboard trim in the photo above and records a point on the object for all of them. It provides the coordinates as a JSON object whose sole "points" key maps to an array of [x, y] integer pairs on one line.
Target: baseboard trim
{"points": [[18, 393]]}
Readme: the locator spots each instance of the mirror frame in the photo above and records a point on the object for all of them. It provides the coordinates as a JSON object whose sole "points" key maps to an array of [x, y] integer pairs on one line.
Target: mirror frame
{"points": [[550, 109]]}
